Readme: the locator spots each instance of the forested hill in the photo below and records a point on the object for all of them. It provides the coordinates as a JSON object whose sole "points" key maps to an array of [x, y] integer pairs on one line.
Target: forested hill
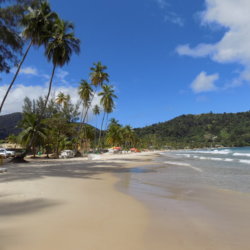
{"points": [[8, 124], [205, 130]]}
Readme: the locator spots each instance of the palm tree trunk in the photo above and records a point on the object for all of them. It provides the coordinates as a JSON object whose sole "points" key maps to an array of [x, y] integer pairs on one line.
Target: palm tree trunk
{"points": [[84, 118], [96, 133], [47, 97], [42, 113], [100, 134], [34, 150], [86, 113], [15, 76]]}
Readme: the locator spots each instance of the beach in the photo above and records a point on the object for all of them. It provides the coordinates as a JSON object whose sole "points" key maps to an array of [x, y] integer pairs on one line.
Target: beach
{"points": [[99, 204]]}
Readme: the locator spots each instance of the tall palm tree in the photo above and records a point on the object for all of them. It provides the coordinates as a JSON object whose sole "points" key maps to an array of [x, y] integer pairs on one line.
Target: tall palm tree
{"points": [[107, 101], [85, 92], [60, 44], [36, 25], [98, 75], [59, 47], [96, 111]]}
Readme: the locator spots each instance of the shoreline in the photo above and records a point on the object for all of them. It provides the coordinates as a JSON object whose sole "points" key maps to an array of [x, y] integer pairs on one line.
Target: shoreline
{"points": [[190, 216], [97, 204]]}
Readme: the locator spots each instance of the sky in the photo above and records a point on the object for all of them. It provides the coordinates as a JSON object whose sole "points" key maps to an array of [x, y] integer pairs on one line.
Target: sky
{"points": [[165, 57]]}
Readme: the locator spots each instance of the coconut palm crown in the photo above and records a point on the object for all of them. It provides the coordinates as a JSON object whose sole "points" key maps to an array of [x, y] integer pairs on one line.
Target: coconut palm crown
{"points": [[62, 43], [62, 98], [85, 92], [96, 110], [38, 24], [98, 76], [107, 98]]}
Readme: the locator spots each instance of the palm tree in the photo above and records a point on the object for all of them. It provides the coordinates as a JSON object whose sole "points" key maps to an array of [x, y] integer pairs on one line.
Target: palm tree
{"points": [[60, 44], [114, 134], [36, 25], [107, 101], [59, 47], [128, 136], [86, 93], [32, 131], [62, 99], [98, 76], [96, 111]]}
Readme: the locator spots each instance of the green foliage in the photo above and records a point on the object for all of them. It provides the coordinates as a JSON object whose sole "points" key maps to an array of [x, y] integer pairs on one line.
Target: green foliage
{"points": [[11, 44], [61, 42], [117, 135], [203, 130]]}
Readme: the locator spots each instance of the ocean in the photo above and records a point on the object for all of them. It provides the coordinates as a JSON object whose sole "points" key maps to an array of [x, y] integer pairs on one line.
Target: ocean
{"points": [[224, 169], [227, 168]]}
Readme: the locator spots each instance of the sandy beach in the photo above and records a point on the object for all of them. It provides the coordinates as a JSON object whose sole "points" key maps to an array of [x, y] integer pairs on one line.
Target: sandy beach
{"points": [[84, 204], [70, 204]]}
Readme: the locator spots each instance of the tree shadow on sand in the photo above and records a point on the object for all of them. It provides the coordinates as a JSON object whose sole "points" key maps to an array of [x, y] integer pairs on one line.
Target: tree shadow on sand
{"points": [[70, 169], [24, 207]]}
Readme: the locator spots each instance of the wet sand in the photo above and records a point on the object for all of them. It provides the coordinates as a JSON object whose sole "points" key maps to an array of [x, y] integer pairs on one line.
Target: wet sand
{"points": [[78, 204], [189, 216]]}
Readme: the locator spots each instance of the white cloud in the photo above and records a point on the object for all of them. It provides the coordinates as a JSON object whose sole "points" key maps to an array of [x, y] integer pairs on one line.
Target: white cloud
{"points": [[26, 71], [174, 18], [61, 76], [162, 3], [233, 47], [204, 83], [14, 101], [29, 71], [169, 16], [202, 50]]}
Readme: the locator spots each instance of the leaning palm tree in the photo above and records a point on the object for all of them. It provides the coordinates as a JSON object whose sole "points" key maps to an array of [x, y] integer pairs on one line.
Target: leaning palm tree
{"points": [[59, 48], [36, 25], [60, 45], [107, 101]]}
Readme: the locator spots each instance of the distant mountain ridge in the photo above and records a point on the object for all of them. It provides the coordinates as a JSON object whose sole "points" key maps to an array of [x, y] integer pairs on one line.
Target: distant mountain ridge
{"points": [[9, 123], [204, 130]]}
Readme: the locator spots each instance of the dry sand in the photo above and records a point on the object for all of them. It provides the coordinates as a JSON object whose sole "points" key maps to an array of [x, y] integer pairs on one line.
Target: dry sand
{"points": [[74, 205], [71, 205]]}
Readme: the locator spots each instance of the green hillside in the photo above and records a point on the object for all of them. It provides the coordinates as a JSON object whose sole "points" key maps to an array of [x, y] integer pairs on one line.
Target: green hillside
{"points": [[205, 130], [8, 124]]}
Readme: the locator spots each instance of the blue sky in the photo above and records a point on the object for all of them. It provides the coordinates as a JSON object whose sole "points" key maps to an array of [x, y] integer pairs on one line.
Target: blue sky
{"points": [[165, 57]]}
